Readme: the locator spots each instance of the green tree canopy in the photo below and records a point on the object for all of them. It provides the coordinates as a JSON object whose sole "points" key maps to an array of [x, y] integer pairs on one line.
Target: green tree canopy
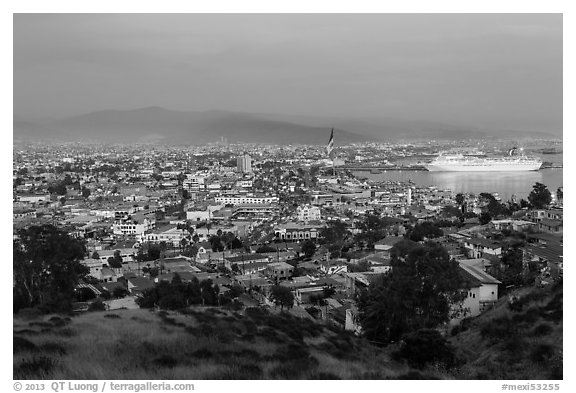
{"points": [[373, 228], [424, 230], [47, 268], [335, 231], [308, 248], [540, 196], [417, 293], [282, 296]]}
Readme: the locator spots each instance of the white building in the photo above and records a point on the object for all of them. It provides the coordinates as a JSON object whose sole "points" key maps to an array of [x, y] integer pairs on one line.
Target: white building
{"points": [[244, 163], [308, 213], [131, 228], [170, 234], [483, 289], [33, 198], [245, 200]]}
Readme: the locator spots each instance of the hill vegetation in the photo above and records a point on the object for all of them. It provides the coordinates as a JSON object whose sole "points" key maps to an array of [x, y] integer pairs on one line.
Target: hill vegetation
{"points": [[522, 340]]}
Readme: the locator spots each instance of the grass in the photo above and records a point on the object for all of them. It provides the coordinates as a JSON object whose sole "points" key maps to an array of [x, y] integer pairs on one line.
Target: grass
{"points": [[524, 343], [196, 344], [519, 342]]}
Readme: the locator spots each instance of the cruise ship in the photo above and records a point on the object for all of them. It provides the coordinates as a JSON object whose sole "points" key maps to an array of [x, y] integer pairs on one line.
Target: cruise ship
{"points": [[447, 162]]}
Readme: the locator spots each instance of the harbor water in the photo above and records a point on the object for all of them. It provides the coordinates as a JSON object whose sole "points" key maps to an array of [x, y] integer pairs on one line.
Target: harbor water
{"points": [[505, 184]]}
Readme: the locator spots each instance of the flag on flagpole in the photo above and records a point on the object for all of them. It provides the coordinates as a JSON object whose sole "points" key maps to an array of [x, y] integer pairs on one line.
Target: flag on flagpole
{"points": [[330, 146]]}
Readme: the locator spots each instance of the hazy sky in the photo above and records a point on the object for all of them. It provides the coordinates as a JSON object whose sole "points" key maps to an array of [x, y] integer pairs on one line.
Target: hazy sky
{"points": [[496, 70]]}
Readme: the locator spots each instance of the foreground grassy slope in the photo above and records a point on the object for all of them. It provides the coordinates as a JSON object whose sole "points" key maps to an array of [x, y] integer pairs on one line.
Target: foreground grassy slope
{"points": [[203, 344], [519, 342], [524, 342]]}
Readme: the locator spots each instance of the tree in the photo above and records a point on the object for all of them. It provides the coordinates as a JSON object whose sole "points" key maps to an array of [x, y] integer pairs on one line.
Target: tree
{"points": [[335, 231], [85, 192], [424, 230], [282, 296], [460, 199], [308, 248], [539, 197], [115, 261], [95, 255], [119, 292], [417, 293], [362, 266], [484, 218], [510, 271], [265, 248], [216, 243], [560, 193], [373, 228], [46, 267]]}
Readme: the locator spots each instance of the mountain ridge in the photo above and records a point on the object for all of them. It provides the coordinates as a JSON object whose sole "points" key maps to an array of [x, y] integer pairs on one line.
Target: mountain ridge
{"points": [[158, 124]]}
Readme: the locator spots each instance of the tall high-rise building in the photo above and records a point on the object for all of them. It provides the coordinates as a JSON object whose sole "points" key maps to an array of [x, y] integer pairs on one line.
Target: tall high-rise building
{"points": [[244, 163]]}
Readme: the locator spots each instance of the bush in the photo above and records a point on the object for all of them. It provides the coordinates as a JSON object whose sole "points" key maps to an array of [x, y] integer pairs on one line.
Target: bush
{"points": [[97, 306], [21, 345], [171, 302], [499, 329], [35, 368], [423, 347], [542, 353], [542, 330]]}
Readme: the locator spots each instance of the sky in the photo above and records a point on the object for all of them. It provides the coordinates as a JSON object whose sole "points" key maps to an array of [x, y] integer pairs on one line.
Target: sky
{"points": [[482, 70]]}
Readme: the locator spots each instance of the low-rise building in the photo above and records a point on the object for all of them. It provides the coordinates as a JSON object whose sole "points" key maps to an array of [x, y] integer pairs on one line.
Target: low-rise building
{"points": [[478, 247], [482, 289], [308, 213], [279, 270]]}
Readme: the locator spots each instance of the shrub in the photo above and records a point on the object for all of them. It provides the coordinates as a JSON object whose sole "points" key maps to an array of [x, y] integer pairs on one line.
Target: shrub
{"points": [[21, 345], [241, 371], [515, 345], [499, 329], [324, 376], [35, 368], [202, 354], [41, 324], [415, 375], [171, 302], [542, 353], [166, 361], [53, 348], [97, 306], [423, 347], [112, 316], [57, 321], [542, 330], [256, 312], [30, 312]]}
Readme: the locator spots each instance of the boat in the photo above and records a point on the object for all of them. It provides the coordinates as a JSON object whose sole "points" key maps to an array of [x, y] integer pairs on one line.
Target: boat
{"points": [[450, 162], [550, 150]]}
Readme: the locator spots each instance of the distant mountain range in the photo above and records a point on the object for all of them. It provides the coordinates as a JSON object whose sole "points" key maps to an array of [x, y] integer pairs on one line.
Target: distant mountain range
{"points": [[155, 124]]}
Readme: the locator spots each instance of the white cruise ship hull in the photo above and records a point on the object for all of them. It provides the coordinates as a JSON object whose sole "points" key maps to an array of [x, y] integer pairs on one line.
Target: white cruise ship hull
{"points": [[475, 167]]}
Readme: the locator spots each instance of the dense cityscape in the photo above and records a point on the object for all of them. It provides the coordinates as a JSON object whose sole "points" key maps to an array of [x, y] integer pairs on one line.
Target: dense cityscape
{"points": [[277, 228], [367, 196]]}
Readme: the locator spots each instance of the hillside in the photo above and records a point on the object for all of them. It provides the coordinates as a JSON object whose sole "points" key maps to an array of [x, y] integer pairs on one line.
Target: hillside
{"points": [[161, 125], [522, 341], [214, 343], [203, 344], [155, 124]]}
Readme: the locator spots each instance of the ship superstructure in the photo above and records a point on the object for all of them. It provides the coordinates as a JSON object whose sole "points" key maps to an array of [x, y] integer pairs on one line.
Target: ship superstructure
{"points": [[456, 162]]}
